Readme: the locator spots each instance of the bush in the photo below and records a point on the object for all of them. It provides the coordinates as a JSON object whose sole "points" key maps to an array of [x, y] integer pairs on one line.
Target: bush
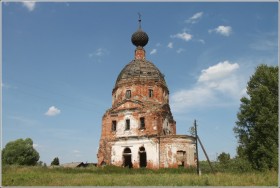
{"points": [[20, 152]]}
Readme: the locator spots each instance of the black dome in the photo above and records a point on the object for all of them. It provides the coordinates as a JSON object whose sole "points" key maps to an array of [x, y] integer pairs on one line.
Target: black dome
{"points": [[139, 38]]}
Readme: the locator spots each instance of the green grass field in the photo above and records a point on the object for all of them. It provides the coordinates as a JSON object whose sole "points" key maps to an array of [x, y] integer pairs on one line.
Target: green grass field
{"points": [[115, 176]]}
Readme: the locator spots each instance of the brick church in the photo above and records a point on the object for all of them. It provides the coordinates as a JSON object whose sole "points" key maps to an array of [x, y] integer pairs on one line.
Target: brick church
{"points": [[139, 129]]}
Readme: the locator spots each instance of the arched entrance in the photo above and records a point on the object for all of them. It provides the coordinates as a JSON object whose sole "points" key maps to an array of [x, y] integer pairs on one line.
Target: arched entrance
{"points": [[142, 157], [127, 158]]}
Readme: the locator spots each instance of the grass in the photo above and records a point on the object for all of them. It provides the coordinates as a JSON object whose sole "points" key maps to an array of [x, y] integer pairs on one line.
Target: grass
{"points": [[112, 176]]}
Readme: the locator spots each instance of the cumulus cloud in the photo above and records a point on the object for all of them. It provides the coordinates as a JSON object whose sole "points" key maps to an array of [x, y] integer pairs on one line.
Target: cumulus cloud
{"points": [[30, 5], [52, 111], [154, 51], [194, 18], [217, 85], [217, 71], [184, 36], [223, 30], [170, 45]]}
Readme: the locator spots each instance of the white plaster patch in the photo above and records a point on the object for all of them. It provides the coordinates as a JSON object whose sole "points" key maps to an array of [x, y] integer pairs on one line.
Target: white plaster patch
{"points": [[134, 125], [150, 146]]}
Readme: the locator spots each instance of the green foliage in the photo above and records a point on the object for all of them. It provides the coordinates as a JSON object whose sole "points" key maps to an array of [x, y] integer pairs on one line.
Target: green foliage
{"points": [[192, 131], [236, 165], [223, 158], [257, 125], [20, 152], [55, 161], [40, 163]]}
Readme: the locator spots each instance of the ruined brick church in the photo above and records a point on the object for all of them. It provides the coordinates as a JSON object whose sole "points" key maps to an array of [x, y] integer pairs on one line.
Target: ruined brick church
{"points": [[139, 129]]}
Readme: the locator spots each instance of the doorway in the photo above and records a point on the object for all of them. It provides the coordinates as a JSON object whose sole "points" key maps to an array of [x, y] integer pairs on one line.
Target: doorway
{"points": [[142, 157], [181, 158], [127, 158]]}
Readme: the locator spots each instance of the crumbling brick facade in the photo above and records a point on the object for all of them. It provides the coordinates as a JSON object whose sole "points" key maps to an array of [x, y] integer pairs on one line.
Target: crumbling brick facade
{"points": [[139, 129]]}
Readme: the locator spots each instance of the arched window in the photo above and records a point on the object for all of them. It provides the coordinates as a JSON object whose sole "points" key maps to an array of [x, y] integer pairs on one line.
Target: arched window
{"points": [[142, 157], [127, 162], [127, 151]]}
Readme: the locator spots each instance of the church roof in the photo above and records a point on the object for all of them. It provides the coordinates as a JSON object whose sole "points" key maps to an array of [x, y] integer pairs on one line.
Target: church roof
{"points": [[140, 70]]}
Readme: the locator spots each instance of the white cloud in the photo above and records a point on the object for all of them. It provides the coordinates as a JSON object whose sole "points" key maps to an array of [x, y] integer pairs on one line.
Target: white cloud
{"points": [[76, 151], [180, 50], [30, 5], [201, 41], [195, 17], [196, 96], [52, 111], [37, 145], [217, 71], [154, 51], [23, 120], [217, 85], [265, 42], [223, 30], [8, 86], [170, 45], [184, 36], [98, 53]]}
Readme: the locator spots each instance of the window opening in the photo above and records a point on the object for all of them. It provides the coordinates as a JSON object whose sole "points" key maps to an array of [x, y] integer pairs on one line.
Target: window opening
{"points": [[114, 125], [127, 124], [128, 94], [142, 123], [151, 93]]}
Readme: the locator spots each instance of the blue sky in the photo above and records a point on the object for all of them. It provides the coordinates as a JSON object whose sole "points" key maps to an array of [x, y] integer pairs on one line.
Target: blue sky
{"points": [[61, 61]]}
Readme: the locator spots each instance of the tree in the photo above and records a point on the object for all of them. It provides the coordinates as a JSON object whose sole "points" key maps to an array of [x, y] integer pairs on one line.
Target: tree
{"points": [[55, 161], [20, 152], [224, 158], [257, 125], [40, 163], [192, 131]]}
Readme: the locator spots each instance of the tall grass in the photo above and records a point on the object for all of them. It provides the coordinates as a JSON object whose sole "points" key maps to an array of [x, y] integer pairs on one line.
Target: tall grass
{"points": [[112, 176]]}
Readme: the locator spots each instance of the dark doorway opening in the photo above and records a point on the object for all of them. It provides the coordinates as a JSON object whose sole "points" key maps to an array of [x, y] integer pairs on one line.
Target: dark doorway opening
{"points": [[142, 157], [127, 158], [181, 158]]}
